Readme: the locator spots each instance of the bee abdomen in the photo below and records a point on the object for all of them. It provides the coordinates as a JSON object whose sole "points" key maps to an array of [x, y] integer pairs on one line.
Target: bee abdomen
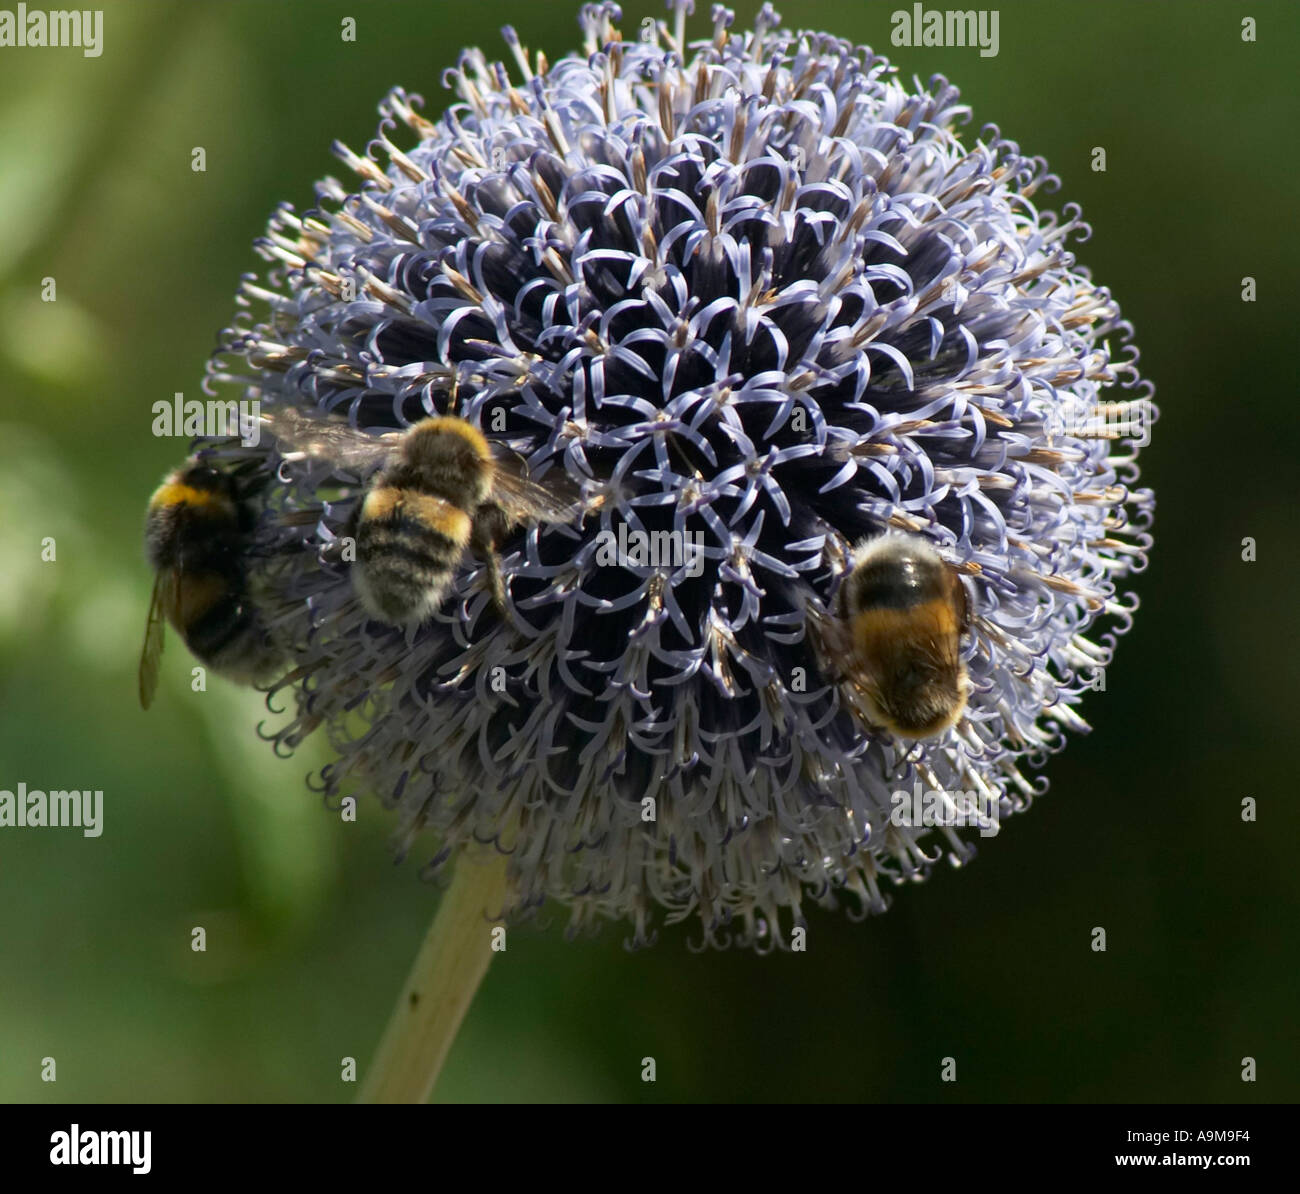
{"points": [[223, 622], [912, 662], [399, 585], [420, 518], [408, 547], [925, 709], [221, 627], [889, 633]]}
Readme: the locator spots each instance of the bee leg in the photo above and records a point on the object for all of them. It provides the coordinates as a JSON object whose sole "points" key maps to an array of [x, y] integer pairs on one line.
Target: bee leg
{"points": [[490, 527], [496, 582]]}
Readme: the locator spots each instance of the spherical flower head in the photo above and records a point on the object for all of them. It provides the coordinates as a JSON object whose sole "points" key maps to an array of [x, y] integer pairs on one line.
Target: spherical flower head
{"points": [[757, 301]]}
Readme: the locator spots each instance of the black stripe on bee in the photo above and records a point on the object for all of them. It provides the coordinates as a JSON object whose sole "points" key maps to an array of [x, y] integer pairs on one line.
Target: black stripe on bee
{"points": [[407, 539], [218, 628], [896, 582]]}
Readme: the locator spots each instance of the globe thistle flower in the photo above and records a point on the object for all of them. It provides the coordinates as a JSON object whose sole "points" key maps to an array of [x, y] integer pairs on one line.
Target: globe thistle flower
{"points": [[754, 291]]}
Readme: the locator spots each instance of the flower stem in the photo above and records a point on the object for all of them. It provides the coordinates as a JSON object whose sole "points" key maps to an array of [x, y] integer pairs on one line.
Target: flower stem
{"points": [[447, 971]]}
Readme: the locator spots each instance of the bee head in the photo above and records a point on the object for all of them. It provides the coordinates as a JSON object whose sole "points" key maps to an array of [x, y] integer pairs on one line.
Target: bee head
{"points": [[204, 477]]}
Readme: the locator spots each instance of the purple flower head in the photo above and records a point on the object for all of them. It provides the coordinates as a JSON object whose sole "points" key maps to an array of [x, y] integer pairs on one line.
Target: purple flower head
{"points": [[756, 301]]}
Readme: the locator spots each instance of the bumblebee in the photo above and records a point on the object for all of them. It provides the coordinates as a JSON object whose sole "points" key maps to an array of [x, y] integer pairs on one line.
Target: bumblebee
{"points": [[439, 490], [900, 615], [197, 534]]}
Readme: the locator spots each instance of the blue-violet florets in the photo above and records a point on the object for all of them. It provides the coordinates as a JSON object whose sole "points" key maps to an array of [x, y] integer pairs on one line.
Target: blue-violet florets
{"points": [[753, 291]]}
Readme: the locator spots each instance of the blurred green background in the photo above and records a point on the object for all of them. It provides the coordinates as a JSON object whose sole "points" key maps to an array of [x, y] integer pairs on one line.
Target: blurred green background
{"points": [[310, 926]]}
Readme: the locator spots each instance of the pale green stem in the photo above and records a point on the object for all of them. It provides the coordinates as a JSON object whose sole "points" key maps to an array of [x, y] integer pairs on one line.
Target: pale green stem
{"points": [[447, 971]]}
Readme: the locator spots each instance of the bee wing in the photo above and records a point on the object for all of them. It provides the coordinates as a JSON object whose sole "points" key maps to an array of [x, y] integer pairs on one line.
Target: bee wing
{"points": [[163, 592], [322, 437], [522, 500], [829, 641]]}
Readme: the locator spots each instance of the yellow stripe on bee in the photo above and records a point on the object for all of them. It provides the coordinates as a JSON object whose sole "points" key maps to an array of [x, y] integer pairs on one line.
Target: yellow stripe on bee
{"points": [[452, 425], [428, 511], [177, 493], [936, 619]]}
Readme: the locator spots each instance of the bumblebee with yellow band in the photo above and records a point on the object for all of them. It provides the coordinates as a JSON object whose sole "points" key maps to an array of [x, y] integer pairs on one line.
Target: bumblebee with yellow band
{"points": [[441, 490], [198, 531], [896, 640], [437, 490]]}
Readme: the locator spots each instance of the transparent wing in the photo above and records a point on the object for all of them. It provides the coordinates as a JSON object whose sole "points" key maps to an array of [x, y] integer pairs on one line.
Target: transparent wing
{"points": [[159, 603], [323, 437], [522, 500]]}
